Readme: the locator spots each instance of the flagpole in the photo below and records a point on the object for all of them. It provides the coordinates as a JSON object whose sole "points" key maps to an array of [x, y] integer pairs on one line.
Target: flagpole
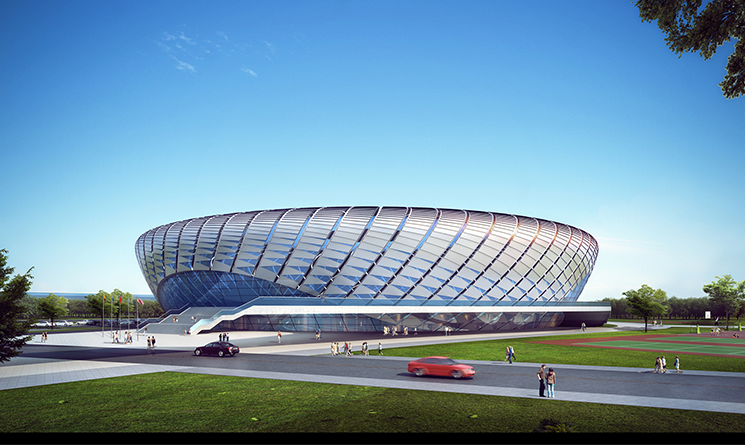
{"points": [[103, 314]]}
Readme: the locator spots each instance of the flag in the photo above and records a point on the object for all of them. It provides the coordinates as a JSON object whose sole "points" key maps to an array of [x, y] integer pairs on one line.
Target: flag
{"points": [[140, 301]]}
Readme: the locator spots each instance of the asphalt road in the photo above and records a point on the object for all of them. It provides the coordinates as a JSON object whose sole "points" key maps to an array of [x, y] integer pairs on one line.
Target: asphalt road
{"points": [[604, 382]]}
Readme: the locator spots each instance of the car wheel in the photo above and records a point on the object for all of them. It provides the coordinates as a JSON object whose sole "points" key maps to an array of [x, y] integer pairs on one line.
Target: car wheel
{"points": [[197, 352], [456, 374], [419, 372], [220, 353]]}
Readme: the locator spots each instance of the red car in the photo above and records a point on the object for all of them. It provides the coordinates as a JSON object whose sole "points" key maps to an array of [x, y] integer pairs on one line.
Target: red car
{"points": [[440, 366]]}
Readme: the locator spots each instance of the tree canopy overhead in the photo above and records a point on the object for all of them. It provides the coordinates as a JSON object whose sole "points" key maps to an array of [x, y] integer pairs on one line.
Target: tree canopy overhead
{"points": [[689, 26]]}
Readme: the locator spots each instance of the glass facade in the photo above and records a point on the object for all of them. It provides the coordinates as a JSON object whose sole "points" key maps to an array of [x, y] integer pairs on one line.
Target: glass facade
{"points": [[362, 256]]}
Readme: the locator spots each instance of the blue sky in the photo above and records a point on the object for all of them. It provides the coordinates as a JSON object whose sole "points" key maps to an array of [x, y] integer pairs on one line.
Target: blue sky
{"points": [[119, 116]]}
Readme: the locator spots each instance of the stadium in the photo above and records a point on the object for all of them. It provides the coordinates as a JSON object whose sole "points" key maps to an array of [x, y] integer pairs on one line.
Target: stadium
{"points": [[359, 269]]}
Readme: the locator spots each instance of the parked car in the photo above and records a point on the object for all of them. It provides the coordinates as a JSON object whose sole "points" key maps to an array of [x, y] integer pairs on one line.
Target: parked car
{"points": [[63, 323], [441, 366], [43, 324], [220, 348]]}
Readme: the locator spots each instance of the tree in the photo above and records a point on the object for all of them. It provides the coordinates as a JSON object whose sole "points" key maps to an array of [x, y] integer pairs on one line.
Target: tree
{"points": [[689, 27], [13, 332], [646, 303], [726, 294], [97, 304], [53, 307]]}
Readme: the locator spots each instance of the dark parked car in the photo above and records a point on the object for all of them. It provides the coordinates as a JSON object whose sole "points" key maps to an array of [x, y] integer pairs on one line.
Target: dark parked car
{"points": [[442, 366], [220, 348]]}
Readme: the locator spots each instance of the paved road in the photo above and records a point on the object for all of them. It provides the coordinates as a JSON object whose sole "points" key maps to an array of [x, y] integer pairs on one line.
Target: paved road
{"points": [[294, 359]]}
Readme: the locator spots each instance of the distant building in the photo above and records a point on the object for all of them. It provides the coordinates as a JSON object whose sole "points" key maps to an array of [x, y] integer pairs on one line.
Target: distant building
{"points": [[362, 268]]}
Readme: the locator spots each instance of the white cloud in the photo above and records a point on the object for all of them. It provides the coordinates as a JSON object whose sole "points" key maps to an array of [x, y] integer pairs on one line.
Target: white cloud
{"points": [[251, 72], [183, 65]]}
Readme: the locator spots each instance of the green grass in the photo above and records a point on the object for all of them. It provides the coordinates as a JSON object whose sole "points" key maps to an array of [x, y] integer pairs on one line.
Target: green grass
{"points": [[174, 402], [526, 351]]}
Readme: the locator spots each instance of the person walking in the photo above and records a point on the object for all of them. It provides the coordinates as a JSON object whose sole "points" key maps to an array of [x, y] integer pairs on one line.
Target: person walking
{"points": [[584, 326], [677, 365], [149, 344], [153, 341], [542, 381], [551, 382], [279, 337], [663, 364], [657, 365], [511, 353], [380, 349]]}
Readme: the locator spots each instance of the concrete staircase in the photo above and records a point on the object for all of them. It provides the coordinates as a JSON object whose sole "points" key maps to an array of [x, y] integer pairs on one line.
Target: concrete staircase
{"points": [[182, 321]]}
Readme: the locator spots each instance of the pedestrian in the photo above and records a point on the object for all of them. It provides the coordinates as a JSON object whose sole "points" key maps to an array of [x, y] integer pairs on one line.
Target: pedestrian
{"points": [[153, 343], [415, 332], [657, 365], [512, 354], [677, 365], [380, 349], [551, 382], [584, 326], [541, 381], [279, 337], [149, 344], [320, 333], [663, 362]]}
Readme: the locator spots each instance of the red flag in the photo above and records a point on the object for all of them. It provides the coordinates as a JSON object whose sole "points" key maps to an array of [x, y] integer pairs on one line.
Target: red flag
{"points": [[140, 301]]}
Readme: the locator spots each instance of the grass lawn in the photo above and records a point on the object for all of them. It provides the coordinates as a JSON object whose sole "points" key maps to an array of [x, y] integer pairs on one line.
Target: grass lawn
{"points": [[175, 402], [526, 351]]}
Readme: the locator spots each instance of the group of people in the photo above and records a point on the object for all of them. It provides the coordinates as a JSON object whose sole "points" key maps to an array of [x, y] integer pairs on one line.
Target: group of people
{"points": [[547, 381], [127, 337], [223, 337], [44, 337], [660, 365], [150, 343], [393, 330], [319, 335], [510, 354], [346, 349]]}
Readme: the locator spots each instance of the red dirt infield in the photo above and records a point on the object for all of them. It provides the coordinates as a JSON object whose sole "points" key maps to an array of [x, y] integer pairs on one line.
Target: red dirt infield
{"points": [[643, 338]]}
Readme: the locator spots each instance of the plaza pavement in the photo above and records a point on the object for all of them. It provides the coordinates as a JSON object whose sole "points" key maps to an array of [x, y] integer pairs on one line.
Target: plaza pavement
{"points": [[24, 372]]}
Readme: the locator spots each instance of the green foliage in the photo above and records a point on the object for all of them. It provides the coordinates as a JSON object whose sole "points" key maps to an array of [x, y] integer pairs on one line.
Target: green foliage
{"points": [[52, 307], [13, 333], [646, 303], [727, 294], [690, 28]]}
